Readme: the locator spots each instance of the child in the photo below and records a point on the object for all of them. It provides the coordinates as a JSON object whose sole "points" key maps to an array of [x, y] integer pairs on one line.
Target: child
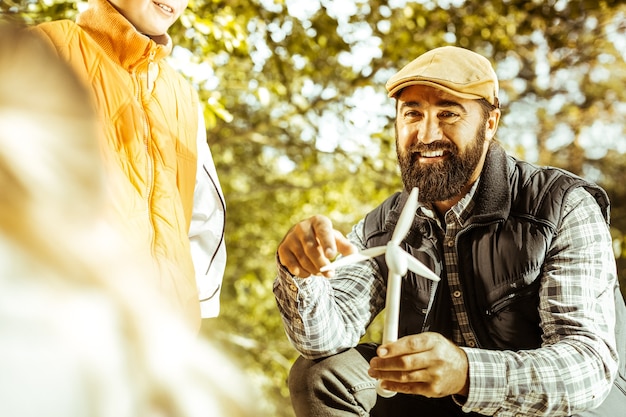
{"points": [[80, 335], [153, 137]]}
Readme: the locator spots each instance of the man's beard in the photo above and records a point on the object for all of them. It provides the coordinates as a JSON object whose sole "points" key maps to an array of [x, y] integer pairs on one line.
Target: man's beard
{"points": [[443, 180]]}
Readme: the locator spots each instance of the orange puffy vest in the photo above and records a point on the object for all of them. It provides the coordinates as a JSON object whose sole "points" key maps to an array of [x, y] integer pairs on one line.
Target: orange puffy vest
{"points": [[149, 114]]}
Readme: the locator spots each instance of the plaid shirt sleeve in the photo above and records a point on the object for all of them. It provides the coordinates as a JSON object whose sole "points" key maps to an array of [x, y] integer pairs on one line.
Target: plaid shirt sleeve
{"points": [[326, 316], [576, 364]]}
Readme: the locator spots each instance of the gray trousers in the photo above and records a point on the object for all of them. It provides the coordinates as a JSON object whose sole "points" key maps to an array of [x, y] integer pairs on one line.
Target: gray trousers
{"points": [[339, 386]]}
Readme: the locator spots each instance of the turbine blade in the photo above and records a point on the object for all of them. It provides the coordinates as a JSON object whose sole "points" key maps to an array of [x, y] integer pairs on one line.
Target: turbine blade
{"points": [[420, 269], [373, 252], [354, 258], [406, 218]]}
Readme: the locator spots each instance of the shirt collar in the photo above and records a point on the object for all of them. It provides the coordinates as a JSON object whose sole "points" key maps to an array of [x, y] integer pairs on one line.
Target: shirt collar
{"points": [[461, 210]]}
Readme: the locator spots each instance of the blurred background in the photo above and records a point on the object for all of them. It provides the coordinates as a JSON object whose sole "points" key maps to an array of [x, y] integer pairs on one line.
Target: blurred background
{"points": [[299, 123]]}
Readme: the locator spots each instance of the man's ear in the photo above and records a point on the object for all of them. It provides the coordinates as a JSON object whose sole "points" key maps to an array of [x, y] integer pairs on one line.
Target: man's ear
{"points": [[491, 125]]}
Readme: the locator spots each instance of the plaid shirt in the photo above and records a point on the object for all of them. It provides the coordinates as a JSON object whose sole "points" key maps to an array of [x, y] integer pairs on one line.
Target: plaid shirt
{"points": [[571, 372]]}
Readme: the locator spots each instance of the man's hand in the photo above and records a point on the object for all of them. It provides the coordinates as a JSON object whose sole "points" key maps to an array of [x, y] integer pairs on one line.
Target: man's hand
{"points": [[310, 245], [427, 364]]}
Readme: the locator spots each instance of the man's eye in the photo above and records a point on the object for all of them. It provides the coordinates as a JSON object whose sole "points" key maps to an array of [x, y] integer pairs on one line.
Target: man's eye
{"points": [[448, 115], [412, 114]]}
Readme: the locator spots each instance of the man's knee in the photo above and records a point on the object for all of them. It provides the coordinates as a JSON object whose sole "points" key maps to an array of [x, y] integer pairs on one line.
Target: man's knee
{"points": [[302, 375], [339, 382]]}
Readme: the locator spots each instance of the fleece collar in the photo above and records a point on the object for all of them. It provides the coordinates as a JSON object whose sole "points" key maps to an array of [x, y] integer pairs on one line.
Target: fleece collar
{"points": [[119, 38]]}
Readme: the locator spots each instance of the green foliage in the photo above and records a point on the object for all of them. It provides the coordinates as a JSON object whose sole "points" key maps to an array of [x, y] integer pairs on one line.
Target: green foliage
{"points": [[298, 121]]}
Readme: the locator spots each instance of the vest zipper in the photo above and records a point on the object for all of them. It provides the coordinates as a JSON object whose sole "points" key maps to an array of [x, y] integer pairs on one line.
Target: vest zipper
{"points": [[149, 177], [432, 293], [146, 142], [500, 305]]}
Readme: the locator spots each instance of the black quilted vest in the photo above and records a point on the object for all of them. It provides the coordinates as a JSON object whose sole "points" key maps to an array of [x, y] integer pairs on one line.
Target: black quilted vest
{"points": [[500, 257], [500, 254]]}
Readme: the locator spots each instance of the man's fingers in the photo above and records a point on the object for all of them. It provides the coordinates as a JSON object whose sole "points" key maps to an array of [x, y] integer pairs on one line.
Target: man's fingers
{"points": [[426, 364], [403, 363], [344, 246], [405, 377], [325, 236], [410, 353], [416, 343], [308, 246], [425, 389], [291, 253], [299, 266]]}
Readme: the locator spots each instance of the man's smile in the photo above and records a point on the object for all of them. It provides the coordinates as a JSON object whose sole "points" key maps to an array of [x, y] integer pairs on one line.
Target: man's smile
{"points": [[431, 156]]}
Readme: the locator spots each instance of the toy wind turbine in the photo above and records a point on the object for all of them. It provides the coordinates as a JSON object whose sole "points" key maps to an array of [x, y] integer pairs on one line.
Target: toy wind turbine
{"points": [[398, 262]]}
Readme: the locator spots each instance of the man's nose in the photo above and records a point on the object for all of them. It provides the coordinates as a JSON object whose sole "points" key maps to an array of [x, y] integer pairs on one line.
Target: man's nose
{"points": [[429, 130]]}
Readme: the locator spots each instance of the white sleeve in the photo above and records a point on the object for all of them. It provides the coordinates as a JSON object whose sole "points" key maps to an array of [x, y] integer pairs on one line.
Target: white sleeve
{"points": [[206, 233]]}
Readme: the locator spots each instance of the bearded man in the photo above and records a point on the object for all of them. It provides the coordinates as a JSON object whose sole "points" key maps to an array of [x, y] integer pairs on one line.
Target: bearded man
{"points": [[527, 319]]}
